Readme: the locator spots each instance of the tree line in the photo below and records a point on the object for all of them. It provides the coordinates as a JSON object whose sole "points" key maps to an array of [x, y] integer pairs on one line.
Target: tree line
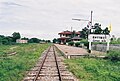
{"points": [[11, 40]]}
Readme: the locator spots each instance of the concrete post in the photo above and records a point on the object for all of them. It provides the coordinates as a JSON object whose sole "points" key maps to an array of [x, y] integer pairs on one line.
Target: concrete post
{"points": [[108, 45], [68, 56], [89, 47]]}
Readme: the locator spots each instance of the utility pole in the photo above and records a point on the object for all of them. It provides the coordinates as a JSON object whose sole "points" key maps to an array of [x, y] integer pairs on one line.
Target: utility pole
{"points": [[85, 19], [90, 33], [91, 18], [90, 27], [80, 19], [71, 29]]}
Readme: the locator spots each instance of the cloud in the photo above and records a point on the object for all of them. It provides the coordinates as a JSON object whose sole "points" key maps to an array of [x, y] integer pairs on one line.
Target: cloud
{"points": [[10, 4], [45, 18]]}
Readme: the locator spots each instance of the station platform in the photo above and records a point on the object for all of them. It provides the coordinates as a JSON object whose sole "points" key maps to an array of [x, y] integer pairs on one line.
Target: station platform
{"points": [[71, 52]]}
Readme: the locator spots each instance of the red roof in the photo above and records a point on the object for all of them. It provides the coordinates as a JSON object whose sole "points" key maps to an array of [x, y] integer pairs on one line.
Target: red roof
{"points": [[77, 33], [68, 32], [65, 32]]}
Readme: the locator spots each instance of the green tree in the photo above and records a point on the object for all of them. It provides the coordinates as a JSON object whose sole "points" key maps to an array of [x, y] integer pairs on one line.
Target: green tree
{"points": [[34, 40], [1, 37], [5, 42], [25, 38], [16, 35], [97, 28], [84, 33], [54, 40], [73, 34], [106, 31], [71, 43], [0, 41], [47, 41], [9, 39]]}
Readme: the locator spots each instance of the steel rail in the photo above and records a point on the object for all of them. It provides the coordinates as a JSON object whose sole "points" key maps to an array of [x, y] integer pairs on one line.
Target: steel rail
{"points": [[59, 74], [37, 75]]}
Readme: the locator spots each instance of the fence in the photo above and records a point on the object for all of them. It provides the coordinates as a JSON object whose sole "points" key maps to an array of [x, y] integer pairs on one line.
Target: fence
{"points": [[103, 47]]}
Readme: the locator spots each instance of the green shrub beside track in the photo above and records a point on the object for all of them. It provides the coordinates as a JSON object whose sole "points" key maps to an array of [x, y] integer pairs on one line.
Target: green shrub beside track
{"points": [[13, 68], [91, 69], [114, 55]]}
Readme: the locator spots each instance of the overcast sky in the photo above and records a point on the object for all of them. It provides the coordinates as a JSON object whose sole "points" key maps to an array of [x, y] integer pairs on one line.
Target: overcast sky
{"points": [[45, 18]]}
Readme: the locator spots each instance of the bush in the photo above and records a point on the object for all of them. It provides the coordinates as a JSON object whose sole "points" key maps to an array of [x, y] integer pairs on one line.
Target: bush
{"points": [[115, 41], [92, 69], [86, 43], [77, 44], [71, 43], [114, 55], [64, 43]]}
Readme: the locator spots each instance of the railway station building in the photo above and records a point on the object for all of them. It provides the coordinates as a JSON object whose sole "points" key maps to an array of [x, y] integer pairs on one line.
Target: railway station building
{"points": [[67, 36]]}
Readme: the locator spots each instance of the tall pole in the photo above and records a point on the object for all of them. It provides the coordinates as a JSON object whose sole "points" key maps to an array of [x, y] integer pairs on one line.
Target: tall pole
{"points": [[89, 33], [71, 29], [91, 18], [90, 23]]}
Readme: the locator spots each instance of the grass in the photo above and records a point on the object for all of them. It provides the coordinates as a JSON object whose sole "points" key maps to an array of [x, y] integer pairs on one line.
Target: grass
{"points": [[91, 69], [4, 49], [115, 42], [13, 68]]}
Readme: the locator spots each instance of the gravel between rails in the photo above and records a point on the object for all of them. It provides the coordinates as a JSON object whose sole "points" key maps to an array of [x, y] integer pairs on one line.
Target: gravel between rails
{"points": [[50, 67]]}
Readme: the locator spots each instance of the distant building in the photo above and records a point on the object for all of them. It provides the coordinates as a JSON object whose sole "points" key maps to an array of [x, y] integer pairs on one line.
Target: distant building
{"points": [[76, 39], [21, 41], [67, 36]]}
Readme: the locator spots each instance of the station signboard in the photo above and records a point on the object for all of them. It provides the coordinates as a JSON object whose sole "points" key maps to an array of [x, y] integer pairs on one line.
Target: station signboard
{"points": [[98, 38]]}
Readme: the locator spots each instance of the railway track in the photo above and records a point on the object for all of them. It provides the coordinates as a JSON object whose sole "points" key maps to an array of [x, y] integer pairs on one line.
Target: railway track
{"points": [[49, 68]]}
